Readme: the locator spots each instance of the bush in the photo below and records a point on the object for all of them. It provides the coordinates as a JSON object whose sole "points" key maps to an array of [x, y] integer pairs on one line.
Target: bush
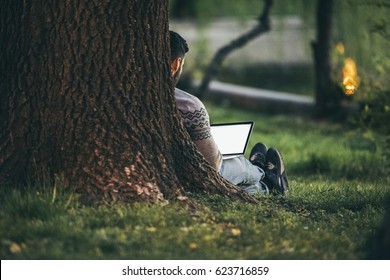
{"points": [[375, 113]]}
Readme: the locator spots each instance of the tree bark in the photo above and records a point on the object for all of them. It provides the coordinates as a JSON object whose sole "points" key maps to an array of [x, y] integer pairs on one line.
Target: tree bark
{"points": [[327, 100], [86, 95]]}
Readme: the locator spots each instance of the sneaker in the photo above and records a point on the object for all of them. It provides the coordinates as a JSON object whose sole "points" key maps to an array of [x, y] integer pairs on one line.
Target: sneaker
{"points": [[275, 171], [258, 155]]}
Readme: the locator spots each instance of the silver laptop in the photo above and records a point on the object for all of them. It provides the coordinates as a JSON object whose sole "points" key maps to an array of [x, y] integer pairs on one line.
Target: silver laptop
{"points": [[232, 138]]}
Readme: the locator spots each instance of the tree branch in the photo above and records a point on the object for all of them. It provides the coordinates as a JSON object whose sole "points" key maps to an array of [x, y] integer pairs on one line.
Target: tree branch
{"points": [[213, 68]]}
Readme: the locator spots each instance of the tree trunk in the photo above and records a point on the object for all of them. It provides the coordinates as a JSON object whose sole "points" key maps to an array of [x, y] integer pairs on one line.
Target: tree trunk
{"points": [[86, 94], [327, 100]]}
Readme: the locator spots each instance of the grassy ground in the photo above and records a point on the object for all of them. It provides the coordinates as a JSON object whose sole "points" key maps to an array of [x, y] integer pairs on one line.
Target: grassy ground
{"points": [[338, 183]]}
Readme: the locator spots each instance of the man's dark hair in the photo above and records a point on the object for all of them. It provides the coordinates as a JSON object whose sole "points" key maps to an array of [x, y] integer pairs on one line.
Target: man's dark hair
{"points": [[179, 46]]}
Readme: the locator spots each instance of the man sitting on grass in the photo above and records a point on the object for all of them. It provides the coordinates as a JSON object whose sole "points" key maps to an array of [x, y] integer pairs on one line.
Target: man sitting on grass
{"points": [[264, 172]]}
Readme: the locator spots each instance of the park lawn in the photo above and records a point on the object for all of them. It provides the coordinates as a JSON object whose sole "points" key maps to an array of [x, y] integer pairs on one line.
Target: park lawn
{"points": [[339, 187]]}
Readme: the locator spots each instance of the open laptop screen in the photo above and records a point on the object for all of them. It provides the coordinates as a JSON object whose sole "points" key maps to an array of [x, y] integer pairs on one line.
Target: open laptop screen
{"points": [[232, 138]]}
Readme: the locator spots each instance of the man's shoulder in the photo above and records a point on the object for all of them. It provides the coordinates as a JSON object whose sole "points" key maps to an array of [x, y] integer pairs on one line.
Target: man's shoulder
{"points": [[187, 101], [192, 111]]}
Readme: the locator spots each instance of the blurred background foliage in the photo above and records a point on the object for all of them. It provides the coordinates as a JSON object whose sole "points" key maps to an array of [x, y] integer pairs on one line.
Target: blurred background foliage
{"points": [[361, 25], [360, 31]]}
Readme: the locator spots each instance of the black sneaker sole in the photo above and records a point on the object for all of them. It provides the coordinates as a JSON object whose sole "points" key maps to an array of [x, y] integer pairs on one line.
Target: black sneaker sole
{"points": [[279, 179], [259, 148]]}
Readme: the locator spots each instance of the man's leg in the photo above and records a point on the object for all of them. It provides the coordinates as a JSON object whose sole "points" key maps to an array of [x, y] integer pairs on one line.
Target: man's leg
{"points": [[240, 172]]}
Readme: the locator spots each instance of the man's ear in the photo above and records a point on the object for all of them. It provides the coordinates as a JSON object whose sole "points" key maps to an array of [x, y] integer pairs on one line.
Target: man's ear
{"points": [[175, 66]]}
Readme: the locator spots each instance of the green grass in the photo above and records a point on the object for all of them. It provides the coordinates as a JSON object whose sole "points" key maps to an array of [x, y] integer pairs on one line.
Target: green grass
{"points": [[339, 186]]}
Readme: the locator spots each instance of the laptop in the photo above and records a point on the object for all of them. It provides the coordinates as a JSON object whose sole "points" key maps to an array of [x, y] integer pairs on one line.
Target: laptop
{"points": [[232, 138]]}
